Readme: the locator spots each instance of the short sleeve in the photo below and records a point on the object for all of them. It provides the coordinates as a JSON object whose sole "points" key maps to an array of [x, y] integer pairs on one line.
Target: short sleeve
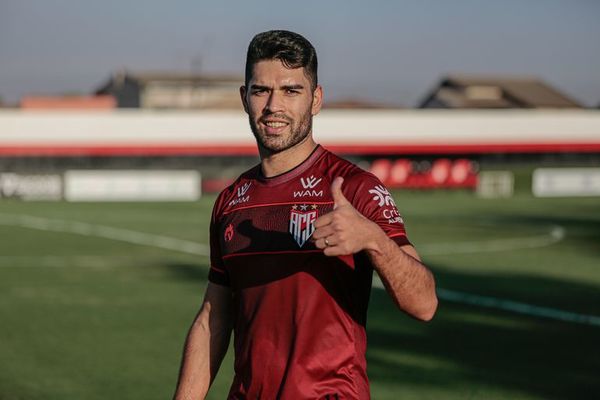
{"points": [[372, 199], [217, 273]]}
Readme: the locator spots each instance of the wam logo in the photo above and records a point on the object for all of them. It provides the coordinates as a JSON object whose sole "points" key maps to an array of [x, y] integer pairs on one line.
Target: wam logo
{"points": [[241, 194], [243, 189], [310, 183]]}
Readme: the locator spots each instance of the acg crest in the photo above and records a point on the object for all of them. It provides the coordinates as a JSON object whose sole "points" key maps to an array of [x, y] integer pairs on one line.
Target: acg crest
{"points": [[302, 222]]}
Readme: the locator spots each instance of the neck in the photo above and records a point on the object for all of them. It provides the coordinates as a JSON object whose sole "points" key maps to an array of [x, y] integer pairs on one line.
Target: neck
{"points": [[274, 164]]}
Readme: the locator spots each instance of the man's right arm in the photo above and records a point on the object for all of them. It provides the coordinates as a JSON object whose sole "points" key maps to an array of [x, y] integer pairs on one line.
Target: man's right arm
{"points": [[206, 344]]}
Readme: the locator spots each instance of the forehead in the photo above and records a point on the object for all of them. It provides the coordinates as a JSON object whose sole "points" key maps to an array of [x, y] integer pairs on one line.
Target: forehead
{"points": [[274, 73]]}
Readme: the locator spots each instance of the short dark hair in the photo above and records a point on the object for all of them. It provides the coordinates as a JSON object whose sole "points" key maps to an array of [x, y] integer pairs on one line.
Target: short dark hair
{"points": [[292, 49]]}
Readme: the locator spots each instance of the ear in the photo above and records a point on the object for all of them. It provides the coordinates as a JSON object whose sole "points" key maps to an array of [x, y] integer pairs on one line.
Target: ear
{"points": [[243, 96], [317, 100]]}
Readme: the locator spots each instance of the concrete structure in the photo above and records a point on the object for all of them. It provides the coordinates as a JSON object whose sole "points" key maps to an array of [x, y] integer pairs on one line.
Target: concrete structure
{"points": [[173, 91], [466, 91], [101, 102]]}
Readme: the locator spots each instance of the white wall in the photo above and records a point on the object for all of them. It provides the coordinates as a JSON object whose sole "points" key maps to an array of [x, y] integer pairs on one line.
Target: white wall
{"points": [[345, 128]]}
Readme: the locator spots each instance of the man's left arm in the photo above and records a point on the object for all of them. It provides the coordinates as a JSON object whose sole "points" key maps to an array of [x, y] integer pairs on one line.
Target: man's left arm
{"points": [[346, 231]]}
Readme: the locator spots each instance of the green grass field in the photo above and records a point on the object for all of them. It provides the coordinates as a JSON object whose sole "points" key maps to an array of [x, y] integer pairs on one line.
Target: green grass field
{"points": [[95, 300]]}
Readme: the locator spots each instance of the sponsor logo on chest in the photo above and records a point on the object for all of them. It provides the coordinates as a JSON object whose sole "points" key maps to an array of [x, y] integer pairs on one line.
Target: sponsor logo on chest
{"points": [[309, 185], [302, 222], [241, 195]]}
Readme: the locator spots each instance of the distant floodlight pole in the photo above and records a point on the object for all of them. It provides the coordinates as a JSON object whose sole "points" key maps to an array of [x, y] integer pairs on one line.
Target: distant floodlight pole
{"points": [[196, 63]]}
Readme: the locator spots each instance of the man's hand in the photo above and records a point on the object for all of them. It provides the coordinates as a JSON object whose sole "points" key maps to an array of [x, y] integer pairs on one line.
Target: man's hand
{"points": [[344, 231]]}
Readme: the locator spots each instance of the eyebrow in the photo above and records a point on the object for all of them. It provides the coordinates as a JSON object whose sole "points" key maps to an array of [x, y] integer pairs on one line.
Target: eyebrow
{"points": [[292, 87], [259, 87], [284, 87]]}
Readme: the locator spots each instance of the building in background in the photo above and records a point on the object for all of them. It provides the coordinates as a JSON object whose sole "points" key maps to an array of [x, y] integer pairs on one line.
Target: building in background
{"points": [[101, 102], [466, 91], [355, 103], [173, 90]]}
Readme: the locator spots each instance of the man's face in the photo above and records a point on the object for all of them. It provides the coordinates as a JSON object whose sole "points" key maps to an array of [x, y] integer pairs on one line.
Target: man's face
{"points": [[280, 104]]}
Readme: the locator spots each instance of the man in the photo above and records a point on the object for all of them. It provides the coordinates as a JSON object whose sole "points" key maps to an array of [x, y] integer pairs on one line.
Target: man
{"points": [[294, 242]]}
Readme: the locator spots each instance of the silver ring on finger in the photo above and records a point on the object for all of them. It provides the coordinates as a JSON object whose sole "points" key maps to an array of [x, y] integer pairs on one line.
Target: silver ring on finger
{"points": [[326, 242]]}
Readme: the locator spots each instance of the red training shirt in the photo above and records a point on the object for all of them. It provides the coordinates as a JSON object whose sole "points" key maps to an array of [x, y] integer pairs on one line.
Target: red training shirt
{"points": [[300, 316]]}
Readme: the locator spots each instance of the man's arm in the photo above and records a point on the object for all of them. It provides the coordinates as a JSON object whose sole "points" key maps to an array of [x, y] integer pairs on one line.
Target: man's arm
{"points": [[346, 231], [406, 279], [206, 344]]}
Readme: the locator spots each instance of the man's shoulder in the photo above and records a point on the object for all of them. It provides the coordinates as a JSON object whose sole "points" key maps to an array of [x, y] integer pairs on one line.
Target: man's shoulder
{"points": [[357, 181], [239, 186], [351, 172]]}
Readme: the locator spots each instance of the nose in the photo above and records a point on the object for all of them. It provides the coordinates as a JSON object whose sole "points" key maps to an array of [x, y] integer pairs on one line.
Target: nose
{"points": [[275, 102]]}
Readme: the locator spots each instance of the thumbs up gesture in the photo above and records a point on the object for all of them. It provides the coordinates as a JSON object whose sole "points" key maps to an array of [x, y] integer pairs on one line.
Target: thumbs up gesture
{"points": [[344, 230], [336, 192]]}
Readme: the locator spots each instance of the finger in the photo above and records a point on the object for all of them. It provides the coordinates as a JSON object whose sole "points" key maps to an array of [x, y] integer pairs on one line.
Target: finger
{"points": [[323, 232], [322, 243], [333, 251], [336, 193], [324, 220], [330, 251]]}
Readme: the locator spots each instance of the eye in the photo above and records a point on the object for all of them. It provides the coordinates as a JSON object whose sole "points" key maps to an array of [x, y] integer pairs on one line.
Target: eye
{"points": [[258, 92], [291, 91]]}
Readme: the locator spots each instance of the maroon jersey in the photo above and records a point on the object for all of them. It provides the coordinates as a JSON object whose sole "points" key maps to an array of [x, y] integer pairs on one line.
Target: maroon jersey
{"points": [[300, 316]]}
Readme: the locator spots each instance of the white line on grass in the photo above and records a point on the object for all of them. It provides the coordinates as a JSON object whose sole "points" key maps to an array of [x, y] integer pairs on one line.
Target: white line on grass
{"points": [[556, 234], [509, 305], [105, 232], [165, 242], [65, 260]]}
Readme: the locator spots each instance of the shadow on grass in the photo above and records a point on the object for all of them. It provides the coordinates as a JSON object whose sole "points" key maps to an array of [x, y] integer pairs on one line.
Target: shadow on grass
{"points": [[485, 352], [586, 228], [188, 271], [471, 347]]}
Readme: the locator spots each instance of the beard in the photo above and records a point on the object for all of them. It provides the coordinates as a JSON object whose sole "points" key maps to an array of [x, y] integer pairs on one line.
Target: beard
{"points": [[298, 131]]}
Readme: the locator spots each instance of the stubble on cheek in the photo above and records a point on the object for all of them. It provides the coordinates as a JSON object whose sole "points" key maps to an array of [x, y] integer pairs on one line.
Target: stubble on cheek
{"points": [[297, 132]]}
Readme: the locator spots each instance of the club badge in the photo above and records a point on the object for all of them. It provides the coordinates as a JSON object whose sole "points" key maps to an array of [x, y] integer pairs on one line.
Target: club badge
{"points": [[302, 222]]}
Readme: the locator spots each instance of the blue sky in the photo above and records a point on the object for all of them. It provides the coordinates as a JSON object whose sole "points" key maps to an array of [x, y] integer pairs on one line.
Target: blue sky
{"points": [[385, 51]]}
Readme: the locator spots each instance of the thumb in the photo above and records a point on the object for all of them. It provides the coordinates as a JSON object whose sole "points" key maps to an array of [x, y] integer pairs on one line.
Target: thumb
{"points": [[336, 192]]}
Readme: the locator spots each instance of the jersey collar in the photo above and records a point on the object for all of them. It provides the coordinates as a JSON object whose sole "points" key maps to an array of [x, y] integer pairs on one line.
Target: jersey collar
{"points": [[294, 172]]}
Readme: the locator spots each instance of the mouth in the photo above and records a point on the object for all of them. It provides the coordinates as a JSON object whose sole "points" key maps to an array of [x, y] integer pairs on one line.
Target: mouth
{"points": [[274, 126]]}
